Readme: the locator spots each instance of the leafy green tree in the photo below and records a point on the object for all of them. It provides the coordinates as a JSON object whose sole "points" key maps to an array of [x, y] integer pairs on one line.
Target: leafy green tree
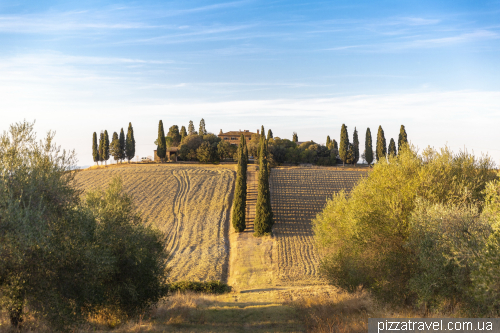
{"points": [[224, 149], [355, 146], [403, 138], [344, 144], [173, 132], [183, 133], [328, 142], [115, 147], [295, 137], [123, 146], [130, 143], [263, 222], [106, 147], [203, 130], [381, 151], [188, 148], [207, 152], [269, 134], [101, 147], [95, 148], [191, 130], [335, 144], [368, 147], [240, 191], [161, 149], [392, 148]]}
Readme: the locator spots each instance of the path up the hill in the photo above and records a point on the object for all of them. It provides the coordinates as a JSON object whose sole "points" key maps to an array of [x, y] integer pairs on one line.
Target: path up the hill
{"points": [[251, 264]]}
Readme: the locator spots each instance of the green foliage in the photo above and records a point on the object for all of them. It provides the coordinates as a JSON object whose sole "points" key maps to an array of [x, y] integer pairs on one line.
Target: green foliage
{"points": [[115, 147], [225, 149], [122, 145], [381, 151], [207, 153], [161, 148], [209, 287], [368, 147], [295, 137], [95, 148], [191, 130], [402, 138], [203, 130], [105, 146], [263, 222], [101, 147], [269, 134], [364, 237], [183, 133], [187, 150], [344, 143], [130, 143], [240, 190], [328, 142], [173, 132], [392, 148], [355, 146]]}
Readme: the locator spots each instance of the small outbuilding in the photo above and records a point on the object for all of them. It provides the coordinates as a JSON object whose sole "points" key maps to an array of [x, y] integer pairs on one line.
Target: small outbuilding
{"points": [[171, 155]]}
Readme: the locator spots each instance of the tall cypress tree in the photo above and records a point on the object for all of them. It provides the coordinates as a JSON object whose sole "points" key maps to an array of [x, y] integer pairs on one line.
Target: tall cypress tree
{"points": [[183, 133], [245, 151], [295, 137], [403, 138], [106, 146], [269, 134], [335, 145], [123, 147], [115, 148], [381, 151], [328, 142], [101, 147], [392, 148], [95, 148], [191, 130], [130, 143], [263, 222], [203, 130], [240, 190], [161, 149], [355, 146], [368, 147], [344, 144]]}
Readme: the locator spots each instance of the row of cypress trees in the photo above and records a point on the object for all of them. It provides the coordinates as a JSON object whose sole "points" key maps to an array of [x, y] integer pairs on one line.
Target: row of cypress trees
{"points": [[161, 147], [264, 221], [240, 191], [120, 148], [349, 152]]}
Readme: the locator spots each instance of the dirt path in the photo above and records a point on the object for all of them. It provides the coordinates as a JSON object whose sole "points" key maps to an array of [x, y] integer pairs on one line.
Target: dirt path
{"points": [[251, 264]]}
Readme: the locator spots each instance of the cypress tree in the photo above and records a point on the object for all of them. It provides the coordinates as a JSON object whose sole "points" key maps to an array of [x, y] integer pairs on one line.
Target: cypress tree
{"points": [[381, 151], [115, 147], [240, 190], [368, 147], [403, 138], [106, 146], [95, 148], [203, 130], [183, 133], [130, 143], [123, 147], [161, 149], [191, 130], [245, 151], [355, 146], [295, 138], [263, 222], [344, 144], [328, 142], [101, 147], [269, 134], [392, 148], [335, 145]]}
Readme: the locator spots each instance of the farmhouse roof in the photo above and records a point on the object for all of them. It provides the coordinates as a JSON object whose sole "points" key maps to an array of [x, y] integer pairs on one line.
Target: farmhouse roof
{"points": [[238, 133]]}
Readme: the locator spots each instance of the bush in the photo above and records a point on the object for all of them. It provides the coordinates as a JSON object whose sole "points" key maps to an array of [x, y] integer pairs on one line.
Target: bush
{"points": [[209, 287], [364, 238]]}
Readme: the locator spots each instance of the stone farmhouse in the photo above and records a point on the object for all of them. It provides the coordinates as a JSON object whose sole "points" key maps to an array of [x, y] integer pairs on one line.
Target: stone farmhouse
{"points": [[233, 137]]}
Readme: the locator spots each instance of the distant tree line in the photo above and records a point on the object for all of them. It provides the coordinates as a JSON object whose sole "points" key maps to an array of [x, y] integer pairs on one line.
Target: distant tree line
{"points": [[194, 145], [120, 148]]}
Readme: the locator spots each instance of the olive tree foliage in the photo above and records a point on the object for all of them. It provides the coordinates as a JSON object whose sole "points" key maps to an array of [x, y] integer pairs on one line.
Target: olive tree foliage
{"points": [[62, 259], [364, 237]]}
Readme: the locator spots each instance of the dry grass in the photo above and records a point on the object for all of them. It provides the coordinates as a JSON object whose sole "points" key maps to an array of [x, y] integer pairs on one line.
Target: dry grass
{"points": [[297, 195], [190, 203]]}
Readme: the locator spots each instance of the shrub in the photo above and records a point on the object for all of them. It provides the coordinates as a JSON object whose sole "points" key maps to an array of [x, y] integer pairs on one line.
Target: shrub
{"points": [[209, 287]]}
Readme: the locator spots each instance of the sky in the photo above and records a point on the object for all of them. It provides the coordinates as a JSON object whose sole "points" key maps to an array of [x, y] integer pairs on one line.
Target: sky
{"points": [[79, 67]]}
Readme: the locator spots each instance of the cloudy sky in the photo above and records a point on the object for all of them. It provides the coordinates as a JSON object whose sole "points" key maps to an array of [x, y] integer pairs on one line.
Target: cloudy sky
{"points": [[306, 66]]}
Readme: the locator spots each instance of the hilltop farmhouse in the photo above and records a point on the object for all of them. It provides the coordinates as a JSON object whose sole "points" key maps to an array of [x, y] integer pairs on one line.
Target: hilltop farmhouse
{"points": [[234, 136]]}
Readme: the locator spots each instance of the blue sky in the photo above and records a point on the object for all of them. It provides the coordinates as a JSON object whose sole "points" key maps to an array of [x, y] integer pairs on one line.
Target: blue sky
{"points": [[304, 66]]}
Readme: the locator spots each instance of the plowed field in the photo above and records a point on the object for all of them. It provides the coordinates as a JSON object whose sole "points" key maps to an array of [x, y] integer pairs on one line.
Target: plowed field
{"points": [[297, 195], [191, 204]]}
